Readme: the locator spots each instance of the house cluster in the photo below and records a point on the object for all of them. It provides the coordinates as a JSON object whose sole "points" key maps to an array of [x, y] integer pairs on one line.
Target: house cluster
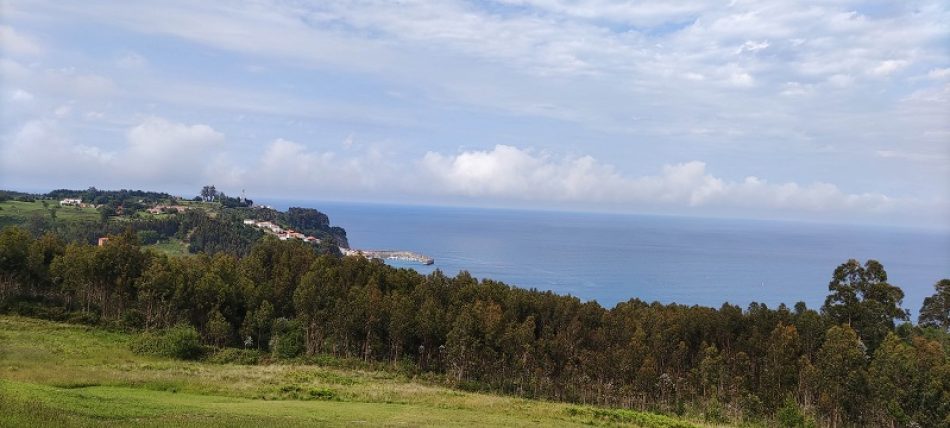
{"points": [[75, 202], [158, 209], [281, 233]]}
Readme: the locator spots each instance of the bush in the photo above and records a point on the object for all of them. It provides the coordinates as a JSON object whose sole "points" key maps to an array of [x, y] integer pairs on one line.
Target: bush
{"points": [[182, 342], [296, 392], [595, 416], [790, 416], [235, 356], [148, 237], [714, 412], [287, 340], [133, 320], [87, 318]]}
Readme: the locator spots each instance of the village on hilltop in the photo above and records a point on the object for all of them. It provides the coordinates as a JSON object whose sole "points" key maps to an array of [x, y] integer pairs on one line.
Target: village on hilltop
{"points": [[281, 233], [270, 228]]}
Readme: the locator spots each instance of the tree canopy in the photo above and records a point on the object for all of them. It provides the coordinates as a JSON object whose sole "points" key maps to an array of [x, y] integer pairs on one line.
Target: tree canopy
{"points": [[285, 299], [935, 311], [862, 298]]}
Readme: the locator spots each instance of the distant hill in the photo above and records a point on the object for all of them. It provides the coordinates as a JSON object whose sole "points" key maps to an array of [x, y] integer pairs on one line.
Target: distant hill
{"points": [[212, 222]]}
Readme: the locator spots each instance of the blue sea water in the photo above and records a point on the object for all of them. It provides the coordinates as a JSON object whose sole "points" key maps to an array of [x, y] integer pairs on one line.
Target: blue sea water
{"points": [[612, 258]]}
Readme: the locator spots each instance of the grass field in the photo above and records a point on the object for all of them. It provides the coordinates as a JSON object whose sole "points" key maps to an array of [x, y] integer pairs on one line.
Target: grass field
{"points": [[171, 247], [16, 212], [54, 374]]}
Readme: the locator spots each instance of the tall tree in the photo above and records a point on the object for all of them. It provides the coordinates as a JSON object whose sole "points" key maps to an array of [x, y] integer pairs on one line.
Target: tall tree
{"points": [[935, 311], [891, 377], [862, 298], [841, 375], [208, 193], [780, 368]]}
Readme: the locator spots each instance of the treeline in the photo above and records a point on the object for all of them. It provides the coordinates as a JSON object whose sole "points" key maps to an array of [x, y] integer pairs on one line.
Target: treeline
{"points": [[847, 364], [121, 197], [203, 233]]}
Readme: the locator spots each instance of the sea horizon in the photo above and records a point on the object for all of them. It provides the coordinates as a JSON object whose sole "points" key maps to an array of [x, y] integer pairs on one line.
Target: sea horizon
{"points": [[711, 249]]}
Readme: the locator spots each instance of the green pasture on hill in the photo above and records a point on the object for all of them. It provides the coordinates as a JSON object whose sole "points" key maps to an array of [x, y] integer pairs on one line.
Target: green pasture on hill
{"points": [[54, 374]]}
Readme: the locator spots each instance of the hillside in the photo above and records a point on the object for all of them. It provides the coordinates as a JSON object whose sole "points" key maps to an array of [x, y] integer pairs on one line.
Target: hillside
{"points": [[61, 374], [172, 225], [855, 361]]}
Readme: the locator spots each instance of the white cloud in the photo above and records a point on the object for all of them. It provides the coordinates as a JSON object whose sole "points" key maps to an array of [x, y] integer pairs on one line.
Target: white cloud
{"points": [[160, 149], [155, 151], [21, 96], [11, 70], [70, 82], [44, 142], [94, 115], [888, 67], [511, 173], [131, 61], [612, 79], [637, 13], [751, 46], [741, 78], [694, 76], [912, 156], [15, 42], [795, 89], [63, 111], [939, 73], [841, 80]]}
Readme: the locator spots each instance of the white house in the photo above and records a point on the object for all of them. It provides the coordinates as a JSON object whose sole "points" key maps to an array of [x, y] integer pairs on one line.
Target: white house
{"points": [[70, 202]]}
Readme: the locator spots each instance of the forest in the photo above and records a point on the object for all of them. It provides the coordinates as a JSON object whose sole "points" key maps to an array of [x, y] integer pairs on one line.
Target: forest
{"points": [[856, 361]]}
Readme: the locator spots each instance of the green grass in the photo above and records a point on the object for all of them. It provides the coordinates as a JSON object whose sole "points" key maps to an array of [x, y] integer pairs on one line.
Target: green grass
{"points": [[54, 374], [171, 247], [16, 212]]}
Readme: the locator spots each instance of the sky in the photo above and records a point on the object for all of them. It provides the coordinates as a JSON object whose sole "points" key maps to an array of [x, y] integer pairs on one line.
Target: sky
{"points": [[831, 110]]}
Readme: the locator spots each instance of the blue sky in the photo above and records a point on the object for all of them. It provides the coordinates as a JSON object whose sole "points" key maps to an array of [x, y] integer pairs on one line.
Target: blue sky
{"points": [[813, 110]]}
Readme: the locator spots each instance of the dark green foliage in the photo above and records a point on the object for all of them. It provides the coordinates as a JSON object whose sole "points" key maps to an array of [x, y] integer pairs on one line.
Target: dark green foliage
{"points": [[111, 197], [283, 300], [210, 235], [307, 219], [842, 383], [862, 298], [790, 415], [182, 342], [287, 340], [935, 311], [148, 237], [219, 329]]}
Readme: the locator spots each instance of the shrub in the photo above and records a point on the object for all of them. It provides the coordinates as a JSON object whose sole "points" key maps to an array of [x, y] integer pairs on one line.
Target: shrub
{"points": [[87, 318], [148, 237], [296, 392], [595, 416], [714, 412], [133, 320], [790, 416], [235, 356], [287, 340], [182, 342]]}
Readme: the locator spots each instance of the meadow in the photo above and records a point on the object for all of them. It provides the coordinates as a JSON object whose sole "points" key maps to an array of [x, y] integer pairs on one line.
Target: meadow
{"points": [[18, 212], [55, 374]]}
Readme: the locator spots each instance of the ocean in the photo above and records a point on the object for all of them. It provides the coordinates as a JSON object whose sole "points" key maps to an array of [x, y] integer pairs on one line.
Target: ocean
{"points": [[612, 258]]}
